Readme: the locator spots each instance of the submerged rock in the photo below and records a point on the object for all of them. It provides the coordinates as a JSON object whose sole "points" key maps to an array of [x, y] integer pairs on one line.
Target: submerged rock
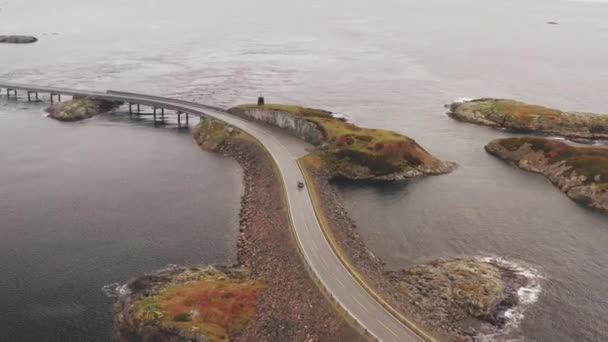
{"points": [[580, 172], [81, 108], [18, 39], [521, 117]]}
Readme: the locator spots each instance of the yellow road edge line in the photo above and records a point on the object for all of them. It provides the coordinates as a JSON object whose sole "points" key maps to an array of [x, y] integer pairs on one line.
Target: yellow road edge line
{"points": [[351, 269]]}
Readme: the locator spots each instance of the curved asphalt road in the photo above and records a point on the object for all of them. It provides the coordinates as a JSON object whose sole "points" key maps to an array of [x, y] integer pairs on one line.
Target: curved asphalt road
{"points": [[316, 249]]}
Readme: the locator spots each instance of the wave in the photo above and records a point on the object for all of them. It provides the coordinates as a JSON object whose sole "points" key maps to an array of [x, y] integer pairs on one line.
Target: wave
{"points": [[526, 295], [463, 99]]}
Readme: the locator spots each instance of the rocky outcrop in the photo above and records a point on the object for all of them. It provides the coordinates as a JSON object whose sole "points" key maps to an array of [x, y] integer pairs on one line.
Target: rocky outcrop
{"points": [[520, 117], [18, 39], [460, 292], [298, 126], [210, 134], [187, 304], [80, 108], [580, 172]]}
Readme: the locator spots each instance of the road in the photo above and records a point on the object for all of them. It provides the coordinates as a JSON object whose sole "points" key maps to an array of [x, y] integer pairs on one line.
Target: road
{"points": [[319, 255]]}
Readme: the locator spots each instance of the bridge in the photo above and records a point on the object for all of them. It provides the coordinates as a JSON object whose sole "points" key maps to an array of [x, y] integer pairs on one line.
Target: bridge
{"points": [[374, 317]]}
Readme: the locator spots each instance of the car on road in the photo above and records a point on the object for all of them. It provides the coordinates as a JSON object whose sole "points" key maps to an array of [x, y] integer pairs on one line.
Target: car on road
{"points": [[300, 184]]}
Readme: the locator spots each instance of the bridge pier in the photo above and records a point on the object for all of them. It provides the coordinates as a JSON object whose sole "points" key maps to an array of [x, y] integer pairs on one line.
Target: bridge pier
{"points": [[29, 95], [179, 119], [154, 109], [8, 92], [162, 114], [53, 98]]}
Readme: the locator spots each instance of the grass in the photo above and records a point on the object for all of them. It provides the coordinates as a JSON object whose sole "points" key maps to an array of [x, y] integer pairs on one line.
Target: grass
{"points": [[216, 304], [296, 110], [215, 130], [588, 161]]}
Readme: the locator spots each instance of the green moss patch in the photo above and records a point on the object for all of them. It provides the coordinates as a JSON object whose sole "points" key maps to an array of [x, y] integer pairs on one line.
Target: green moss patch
{"points": [[295, 110], [211, 133]]}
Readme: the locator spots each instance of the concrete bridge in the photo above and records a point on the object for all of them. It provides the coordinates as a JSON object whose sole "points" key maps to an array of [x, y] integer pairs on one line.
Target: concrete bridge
{"points": [[374, 317]]}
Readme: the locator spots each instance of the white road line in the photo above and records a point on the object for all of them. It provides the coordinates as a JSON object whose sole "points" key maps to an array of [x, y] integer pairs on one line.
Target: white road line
{"points": [[387, 328], [325, 262], [314, 244], [340, 282], [358, 302]]}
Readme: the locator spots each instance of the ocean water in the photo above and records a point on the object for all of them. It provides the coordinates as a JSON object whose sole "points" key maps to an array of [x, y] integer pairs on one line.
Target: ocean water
{"points": [[390, 64]]}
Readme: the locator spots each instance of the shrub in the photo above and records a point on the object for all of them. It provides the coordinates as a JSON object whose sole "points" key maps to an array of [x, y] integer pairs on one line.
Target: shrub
{"points": [[182, 317]]}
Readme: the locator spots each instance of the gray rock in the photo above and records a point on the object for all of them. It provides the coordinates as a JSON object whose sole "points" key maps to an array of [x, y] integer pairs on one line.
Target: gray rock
{"points": [[18, 39]]}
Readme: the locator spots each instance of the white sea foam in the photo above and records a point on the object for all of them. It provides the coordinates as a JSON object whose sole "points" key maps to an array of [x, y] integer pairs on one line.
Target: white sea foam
{"points": [[116, 290], [527, 295], [463, 99]]}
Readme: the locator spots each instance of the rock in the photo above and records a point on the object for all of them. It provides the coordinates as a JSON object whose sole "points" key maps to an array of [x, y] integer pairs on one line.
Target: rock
{"points": [[80, 108], [18, 39], [458, 292]]}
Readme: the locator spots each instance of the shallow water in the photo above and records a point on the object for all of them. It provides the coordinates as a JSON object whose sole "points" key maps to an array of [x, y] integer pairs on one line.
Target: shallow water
{"points": [[390, 65]]}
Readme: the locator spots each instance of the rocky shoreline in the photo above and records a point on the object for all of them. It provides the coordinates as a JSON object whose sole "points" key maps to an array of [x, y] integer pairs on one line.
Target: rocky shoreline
{"points": [[580, 172], [80, 108], [519, 117], [429, 298], [292, 307]]}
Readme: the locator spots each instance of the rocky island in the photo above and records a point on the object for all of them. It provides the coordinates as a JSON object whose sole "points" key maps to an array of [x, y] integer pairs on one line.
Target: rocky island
{"points": [[580, 172], [188, 304], [350, 151], [17, 39], [521, 117], [80, 108]]}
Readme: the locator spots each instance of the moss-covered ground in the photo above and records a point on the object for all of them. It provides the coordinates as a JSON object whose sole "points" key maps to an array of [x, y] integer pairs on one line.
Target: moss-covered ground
{"points": [[215, 304]]}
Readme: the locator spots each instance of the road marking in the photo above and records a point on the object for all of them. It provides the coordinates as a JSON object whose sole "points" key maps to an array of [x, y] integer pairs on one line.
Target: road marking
{"points": [[387, 328], [325, 262], [358, 302], [340, 282], [314, 244]]}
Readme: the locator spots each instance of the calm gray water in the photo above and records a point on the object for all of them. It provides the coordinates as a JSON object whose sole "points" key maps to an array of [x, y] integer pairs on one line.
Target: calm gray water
{"points": [[390, 64]]}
